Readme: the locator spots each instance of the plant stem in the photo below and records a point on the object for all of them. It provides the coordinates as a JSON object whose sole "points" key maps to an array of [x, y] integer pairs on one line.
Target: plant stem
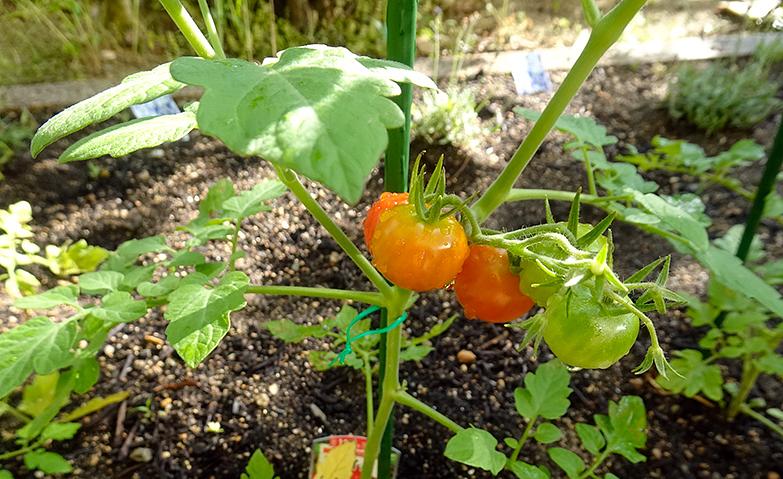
{"points": [[19, 415], [603, 202], [232, 261], [367, 297], [214, 38], [188, 27], [750, 374], [745, 409], [522, 440], [19, 452], [404, 398], [589, 169], [604, 34], [367, 370], [391, 384], [290, 179], [597, 462]]}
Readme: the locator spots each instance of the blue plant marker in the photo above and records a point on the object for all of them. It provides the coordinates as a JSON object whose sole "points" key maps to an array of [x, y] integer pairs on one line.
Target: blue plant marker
{"points": [[164, 105], [530, 76]]}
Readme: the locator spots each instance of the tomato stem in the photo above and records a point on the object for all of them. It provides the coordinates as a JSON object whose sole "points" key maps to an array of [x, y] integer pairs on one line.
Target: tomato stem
{"points": [[188, 27], [367, 297], [290, 179], [523, 439], [391, 381], [747, 410], [604, 34], [214, 38], [367, 370], [406, 399]]}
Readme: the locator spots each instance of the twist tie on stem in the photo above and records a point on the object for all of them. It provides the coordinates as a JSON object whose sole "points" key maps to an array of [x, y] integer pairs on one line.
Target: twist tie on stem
{"points": [[351, 339]]}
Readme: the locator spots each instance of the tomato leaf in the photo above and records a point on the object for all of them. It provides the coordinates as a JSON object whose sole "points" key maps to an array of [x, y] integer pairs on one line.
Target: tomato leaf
{"points": [[476, 447], [547, 433], [697, 376], [524, 470], [568, 461], [94, 404], [100, 282], [584, 129], [731, 272], [625, 427], [545, 393], [591, 438], [315, 109], [36, 345], [416, 352], [250, 202], [258, 467], [199, 316], [60, 431], [137, 88], [125, 138], [39, 394], [47, 462], [49, 299], [119, 307], [290, 332]]}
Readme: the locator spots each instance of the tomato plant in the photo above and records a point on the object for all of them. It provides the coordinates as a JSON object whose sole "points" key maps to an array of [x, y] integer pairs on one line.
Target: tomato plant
{"points": [[487, 289], [326, 114]]}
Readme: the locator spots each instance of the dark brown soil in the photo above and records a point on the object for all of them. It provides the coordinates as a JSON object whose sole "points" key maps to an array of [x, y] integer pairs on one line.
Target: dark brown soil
{"points": [[264, 393]]}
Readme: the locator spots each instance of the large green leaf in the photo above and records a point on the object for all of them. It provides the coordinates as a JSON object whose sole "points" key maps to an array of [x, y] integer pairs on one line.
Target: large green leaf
{"points": [[199, 315], [125, 138], [137, 88], [38, 345], [315, 109]]}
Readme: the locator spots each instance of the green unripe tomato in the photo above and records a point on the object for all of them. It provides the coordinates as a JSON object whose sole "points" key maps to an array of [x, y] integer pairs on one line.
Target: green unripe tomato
{"points": [[530, 273], [582, 332]]}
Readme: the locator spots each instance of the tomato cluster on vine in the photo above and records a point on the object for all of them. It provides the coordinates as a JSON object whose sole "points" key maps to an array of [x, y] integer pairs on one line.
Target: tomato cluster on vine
{"points": [[427, 240]]}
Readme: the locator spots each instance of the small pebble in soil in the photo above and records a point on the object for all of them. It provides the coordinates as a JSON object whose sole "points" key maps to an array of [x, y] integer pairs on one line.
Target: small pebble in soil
{"points": [[141, 454], [466, 357]]}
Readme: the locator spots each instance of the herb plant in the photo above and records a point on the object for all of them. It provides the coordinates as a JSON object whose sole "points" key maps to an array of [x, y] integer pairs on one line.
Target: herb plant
{"points": [[722, 95], [326, 114]]}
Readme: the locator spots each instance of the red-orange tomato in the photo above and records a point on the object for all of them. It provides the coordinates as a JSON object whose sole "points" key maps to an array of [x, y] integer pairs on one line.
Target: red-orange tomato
{"points": [[416, 255], [386, 201], [487, 289]]}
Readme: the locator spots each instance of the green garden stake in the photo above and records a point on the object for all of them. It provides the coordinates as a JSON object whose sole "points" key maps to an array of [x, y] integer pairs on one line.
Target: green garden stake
{"points": [[765, 187], [401, 47]]}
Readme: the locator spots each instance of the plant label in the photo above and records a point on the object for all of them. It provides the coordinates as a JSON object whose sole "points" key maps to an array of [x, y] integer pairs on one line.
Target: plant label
{"points": [[530, 77]]}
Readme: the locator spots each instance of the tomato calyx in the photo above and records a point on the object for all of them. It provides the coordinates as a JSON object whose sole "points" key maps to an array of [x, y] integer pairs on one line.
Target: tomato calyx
{"points": [[431, 201]]}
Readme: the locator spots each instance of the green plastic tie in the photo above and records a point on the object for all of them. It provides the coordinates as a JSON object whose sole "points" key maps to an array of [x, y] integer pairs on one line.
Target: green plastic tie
{"points": [[351, 339]]}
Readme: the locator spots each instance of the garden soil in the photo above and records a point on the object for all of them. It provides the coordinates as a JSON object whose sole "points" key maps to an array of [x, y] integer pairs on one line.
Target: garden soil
{"points": [[265, 395]]}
